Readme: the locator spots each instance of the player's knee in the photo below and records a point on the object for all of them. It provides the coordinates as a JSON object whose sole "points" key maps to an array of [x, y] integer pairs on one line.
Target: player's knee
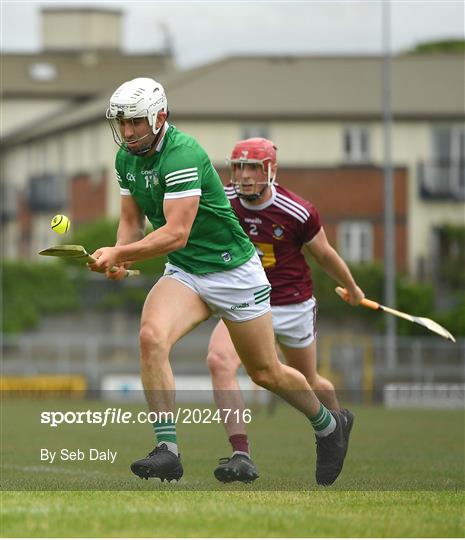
{"points": [[220, 363], [312, 379], [152, 341], [266, 377], [322, 384]]}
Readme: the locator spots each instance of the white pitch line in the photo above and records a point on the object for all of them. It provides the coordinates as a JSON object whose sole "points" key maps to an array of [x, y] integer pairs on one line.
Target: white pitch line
{"points": [[61, 470]]}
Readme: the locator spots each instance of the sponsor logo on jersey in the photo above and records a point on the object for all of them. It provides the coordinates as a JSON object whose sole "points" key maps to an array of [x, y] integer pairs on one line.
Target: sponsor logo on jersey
{"points": [[130, 177], [151, 178], [226, 256], [278, 232], [256, 220], [239, 306]]}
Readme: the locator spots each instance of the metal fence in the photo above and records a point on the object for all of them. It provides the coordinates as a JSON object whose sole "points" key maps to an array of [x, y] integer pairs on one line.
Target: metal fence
{"points": [[355, 363]]}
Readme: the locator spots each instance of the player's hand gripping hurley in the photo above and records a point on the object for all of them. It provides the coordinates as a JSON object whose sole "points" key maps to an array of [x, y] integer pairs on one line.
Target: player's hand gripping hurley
{"points": [[78, 253], [423, 321]]}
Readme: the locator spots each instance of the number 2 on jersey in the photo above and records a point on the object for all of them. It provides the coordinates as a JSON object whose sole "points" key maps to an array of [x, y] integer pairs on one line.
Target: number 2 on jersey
{"points": [[253, 231]]}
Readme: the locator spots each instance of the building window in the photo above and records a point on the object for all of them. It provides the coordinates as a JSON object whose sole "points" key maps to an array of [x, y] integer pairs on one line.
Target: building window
{"points": [[255, 130], [43, 71], [356, 241], [447, 171], [356, 144]]}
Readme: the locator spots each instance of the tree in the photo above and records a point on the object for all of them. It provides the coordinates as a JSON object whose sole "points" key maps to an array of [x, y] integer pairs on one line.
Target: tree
{"points": [[450, 46]]}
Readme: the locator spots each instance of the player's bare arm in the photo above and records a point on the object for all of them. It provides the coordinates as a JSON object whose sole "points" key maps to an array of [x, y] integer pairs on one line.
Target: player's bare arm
{"points": [[333, 264], [130, 229], [131, 223], [179, 214]]}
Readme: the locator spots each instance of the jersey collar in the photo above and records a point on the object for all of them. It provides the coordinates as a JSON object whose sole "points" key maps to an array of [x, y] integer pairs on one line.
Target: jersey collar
{"points": [[160, 142], [262, 206]]}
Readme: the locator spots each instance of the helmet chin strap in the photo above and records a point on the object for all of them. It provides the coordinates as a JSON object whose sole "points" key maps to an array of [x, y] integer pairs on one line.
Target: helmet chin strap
{"points": [[257, 196], [253, 196], [146, 149]]}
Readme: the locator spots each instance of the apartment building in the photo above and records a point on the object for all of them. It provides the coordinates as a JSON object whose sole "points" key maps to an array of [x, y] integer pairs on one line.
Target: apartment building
{"points": [[323, 113]]}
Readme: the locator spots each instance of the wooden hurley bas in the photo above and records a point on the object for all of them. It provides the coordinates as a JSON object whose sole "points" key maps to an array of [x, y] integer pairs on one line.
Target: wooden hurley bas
{"points": [[423, 321], [77, 253]]}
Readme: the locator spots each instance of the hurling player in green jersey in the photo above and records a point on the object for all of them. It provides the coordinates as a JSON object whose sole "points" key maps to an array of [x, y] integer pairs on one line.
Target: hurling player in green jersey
{"points": [[213, 268]]}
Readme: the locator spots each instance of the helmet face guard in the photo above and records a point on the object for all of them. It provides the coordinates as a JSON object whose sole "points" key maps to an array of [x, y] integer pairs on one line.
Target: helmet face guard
{"points": [[133, 100], [144, 143], [249, 188], [256, 152]]}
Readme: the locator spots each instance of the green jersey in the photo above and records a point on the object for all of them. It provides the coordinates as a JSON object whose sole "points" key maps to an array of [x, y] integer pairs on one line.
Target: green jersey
{"points": [[181, 168]]}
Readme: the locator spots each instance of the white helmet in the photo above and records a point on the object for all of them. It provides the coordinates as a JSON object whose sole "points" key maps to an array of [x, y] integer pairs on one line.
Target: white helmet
{"points": [[141, 97]]}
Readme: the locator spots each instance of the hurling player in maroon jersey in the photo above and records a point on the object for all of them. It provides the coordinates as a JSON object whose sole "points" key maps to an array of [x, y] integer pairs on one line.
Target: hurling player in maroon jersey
{"points": [[281, 225]]}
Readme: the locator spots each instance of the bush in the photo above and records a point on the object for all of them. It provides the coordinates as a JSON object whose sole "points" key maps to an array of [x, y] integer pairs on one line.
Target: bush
{"points": [[452, 257], [33, 289], [370, 277], [415, 299], [412, 297], [102, 233], [454, 319]]}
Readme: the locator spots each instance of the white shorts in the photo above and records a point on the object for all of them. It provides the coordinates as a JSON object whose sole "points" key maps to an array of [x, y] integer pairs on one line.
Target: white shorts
{"points": [[240, 294], [295, 325]]}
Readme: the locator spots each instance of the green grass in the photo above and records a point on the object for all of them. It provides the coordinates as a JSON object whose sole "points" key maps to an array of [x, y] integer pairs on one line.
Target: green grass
{"points": [[404, 476], [206, 514]]}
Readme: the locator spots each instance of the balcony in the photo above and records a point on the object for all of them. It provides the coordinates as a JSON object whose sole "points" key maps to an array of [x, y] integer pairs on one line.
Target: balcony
{"points": [[442, 180]]}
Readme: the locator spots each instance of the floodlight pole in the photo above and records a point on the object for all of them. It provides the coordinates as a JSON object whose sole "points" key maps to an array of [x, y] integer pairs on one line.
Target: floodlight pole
{"points": [[389, 207]]}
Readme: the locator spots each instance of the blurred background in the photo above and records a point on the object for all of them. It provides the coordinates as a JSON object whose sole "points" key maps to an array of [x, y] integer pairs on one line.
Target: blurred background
{"points": [[365, 103]]}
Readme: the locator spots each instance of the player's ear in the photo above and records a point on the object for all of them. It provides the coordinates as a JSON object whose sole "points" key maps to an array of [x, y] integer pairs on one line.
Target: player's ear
{"points": [[161, 117]]}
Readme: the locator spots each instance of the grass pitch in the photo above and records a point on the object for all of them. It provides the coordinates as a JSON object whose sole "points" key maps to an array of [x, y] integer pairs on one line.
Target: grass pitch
{"points": [[404, 476]]}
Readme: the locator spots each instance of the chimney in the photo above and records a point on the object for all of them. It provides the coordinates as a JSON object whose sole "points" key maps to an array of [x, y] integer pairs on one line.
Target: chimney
{"points": [[81, 29]]}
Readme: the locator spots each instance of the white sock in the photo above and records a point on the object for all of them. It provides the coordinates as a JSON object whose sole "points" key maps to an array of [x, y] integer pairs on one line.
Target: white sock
{"points": [[239, 453], [328, 429], [172, 447]]}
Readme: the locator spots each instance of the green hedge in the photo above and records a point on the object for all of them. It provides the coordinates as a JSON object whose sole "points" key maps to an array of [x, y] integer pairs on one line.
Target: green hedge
{"points": [[33, 289], [414, 298], [102, 233], [454, 319]]}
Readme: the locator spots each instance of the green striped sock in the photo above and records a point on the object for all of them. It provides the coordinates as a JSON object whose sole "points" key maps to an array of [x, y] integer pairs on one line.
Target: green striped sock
{"points": [[165, 432], [323, 422]]}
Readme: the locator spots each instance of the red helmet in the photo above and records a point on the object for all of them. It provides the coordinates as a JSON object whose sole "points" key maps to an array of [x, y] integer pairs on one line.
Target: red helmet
{"points": [[255, 151]]}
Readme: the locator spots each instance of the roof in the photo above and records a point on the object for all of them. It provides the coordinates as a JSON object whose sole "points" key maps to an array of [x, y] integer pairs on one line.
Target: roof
{"points": [[78, 74], [321, 87], [298, 88], [80, 9]]}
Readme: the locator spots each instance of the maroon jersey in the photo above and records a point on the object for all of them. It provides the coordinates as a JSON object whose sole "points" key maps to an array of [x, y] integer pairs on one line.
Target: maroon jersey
{"points": [[279, 228]]}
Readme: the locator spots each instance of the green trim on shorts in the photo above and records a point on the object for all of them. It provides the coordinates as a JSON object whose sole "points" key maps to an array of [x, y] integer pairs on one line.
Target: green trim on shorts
{"points": [[262, 295]]}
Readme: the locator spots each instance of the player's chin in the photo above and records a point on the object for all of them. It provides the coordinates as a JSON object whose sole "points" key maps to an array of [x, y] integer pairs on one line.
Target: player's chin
{"points": [[133, 147]]}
